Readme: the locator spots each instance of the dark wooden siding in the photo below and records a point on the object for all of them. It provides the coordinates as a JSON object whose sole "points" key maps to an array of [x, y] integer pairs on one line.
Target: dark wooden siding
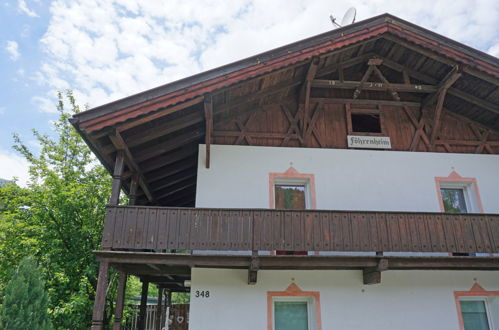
{"points": [[159, 228], [270, 126]]}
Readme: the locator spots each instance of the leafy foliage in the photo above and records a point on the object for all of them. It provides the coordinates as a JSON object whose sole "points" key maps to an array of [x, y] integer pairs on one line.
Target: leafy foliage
{"points": [[58, 218], [25, 304]]}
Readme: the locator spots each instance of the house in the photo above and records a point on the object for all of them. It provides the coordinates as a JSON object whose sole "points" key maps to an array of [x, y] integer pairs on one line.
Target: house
{"points": [[345, 181]]}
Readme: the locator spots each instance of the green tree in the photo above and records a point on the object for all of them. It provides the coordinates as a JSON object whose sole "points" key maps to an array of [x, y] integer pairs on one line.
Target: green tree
{"points": [[25, 305], [58, 219]]}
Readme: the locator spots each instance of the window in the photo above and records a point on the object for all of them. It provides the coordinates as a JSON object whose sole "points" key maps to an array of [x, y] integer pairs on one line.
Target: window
{"points": [[458, 195], [290, 197], [474, 314], [366, 123], [477, 308], [454, 200], [291, 315], [293, 309]]}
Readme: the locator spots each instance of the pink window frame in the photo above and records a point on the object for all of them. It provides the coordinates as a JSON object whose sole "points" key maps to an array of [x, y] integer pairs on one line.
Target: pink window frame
{"points": [[475, 291], [454, 177], [292, 173]]}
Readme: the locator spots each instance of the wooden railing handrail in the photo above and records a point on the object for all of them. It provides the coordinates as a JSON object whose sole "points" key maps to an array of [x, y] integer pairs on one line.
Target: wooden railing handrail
{"points": [[165, 228]]}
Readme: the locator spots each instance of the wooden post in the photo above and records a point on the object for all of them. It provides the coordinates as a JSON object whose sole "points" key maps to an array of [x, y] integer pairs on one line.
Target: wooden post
{"points": [[133, 189], [118, 171], [100, 297], [208, 114], [120, 299], [159, 309], [143, 305]]}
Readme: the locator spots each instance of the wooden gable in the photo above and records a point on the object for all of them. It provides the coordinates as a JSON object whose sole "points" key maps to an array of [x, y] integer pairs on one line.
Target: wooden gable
{"points": [[432, 94]]}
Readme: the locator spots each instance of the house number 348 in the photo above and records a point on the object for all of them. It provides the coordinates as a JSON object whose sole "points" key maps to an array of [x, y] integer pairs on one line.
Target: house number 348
{"points": [[202, 294]]}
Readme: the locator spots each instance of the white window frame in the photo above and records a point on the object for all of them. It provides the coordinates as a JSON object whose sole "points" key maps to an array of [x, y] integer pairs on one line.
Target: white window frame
{"points": [[310, 308], [485, 299], [295, 182], [469, 194]]}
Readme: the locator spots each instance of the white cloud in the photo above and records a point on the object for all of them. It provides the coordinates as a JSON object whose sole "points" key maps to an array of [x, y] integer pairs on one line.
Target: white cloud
{"points": [[106, 50], [13, 166], [13, 49], [45, 104], [494, 50], [2, 110], [23, 7]]}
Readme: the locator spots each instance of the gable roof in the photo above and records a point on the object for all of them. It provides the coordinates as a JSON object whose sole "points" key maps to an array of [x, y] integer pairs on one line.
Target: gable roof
{"points": [[160, 128]]}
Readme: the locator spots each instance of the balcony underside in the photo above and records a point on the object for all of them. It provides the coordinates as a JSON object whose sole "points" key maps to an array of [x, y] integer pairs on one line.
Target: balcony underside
{"points": [[145, 241]]}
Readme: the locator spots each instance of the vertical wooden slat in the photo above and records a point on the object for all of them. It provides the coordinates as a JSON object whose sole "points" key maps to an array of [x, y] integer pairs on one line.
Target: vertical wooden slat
{"points": [[184, 224], [247, 230], [172, 228], [372, 224], [143, 220], [162, 235], [277, 239], [130, 224], [394, 232], [346, 232], [449, 232], [423, 233], [493, 230], [215, 229], [405, 238], [152, 228], [469, 238], [297, 231], [336, 232], [287, 230], [382, 222], [119, 223], [109, 227], [415, 243], [356, 232], [479, 234]]}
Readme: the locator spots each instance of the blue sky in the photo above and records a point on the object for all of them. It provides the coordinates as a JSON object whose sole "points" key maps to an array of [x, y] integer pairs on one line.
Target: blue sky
{"points": [[108, 49]]}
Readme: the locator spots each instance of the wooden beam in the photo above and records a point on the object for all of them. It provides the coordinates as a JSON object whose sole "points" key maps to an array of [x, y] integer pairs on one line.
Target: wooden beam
{"points": [[120, 301], [373, 275], [171, 144], [366, 76], [100, 297], [181, 176], [177, 189], [360, 101], [294, 262], [450, 78], [253, 268], [208, 115], [165, 128], [380, 75], [120, 144], [143, 305], [374, 86], [305, 92], [452, 91], [171, 169], [158, 114], [159, 309], [119, 165], [132, 196]]}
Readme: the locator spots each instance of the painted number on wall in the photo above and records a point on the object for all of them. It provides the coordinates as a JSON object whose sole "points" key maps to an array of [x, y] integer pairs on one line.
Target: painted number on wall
{"points": [[202, 294]]}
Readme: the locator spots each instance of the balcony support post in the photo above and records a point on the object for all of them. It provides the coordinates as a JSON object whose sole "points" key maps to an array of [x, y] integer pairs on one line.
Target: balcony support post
{"points": [[159, 309], [143, 305], [120, 299], [117, 176], [100, 297]]}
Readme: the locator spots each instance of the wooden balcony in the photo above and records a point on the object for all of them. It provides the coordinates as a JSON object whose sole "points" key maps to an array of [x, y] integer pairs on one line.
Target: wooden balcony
{"points": [[161, 229]]}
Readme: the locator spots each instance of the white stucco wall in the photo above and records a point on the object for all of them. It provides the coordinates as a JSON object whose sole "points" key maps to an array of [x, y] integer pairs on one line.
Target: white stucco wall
{"points": [[344, 179], [409, 300]]}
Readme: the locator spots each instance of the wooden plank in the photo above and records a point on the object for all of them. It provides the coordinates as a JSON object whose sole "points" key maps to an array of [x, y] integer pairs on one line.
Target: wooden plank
{"points": [[152, 228], [173, 229], [109, 227], [336, 232], [382, 222], [130, 226], [119, 165], [141, 229], [415, 241], [346, 232], [394, 232], [162, 236], [374, 86], [405, 237], [469, 237], [326, 100], [448, 223]]}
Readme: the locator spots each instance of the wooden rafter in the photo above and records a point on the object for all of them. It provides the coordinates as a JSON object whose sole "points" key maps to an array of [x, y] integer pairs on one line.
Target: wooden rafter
{"points": [[304, 96], [451, 91], [293, 125], [373, 64], [449, 79], [120, 144]]}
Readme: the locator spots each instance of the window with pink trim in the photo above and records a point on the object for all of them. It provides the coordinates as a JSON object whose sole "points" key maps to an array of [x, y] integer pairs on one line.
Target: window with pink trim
{"points": [[458, 195], [478, 309]]}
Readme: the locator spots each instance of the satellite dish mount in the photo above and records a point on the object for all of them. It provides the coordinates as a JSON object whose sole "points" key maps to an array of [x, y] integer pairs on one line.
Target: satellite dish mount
{"points": [[348, 18]]}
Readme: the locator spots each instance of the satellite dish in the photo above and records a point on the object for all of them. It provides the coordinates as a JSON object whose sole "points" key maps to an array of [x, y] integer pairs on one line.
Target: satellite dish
{"points": [[348, 18]]}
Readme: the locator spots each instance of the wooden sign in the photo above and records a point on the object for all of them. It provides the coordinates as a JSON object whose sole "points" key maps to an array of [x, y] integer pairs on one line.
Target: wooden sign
{"points": [[369, 142]]}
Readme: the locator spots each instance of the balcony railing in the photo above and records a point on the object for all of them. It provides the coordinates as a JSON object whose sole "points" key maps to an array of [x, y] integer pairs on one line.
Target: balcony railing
{"points": [[161, 228]]}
